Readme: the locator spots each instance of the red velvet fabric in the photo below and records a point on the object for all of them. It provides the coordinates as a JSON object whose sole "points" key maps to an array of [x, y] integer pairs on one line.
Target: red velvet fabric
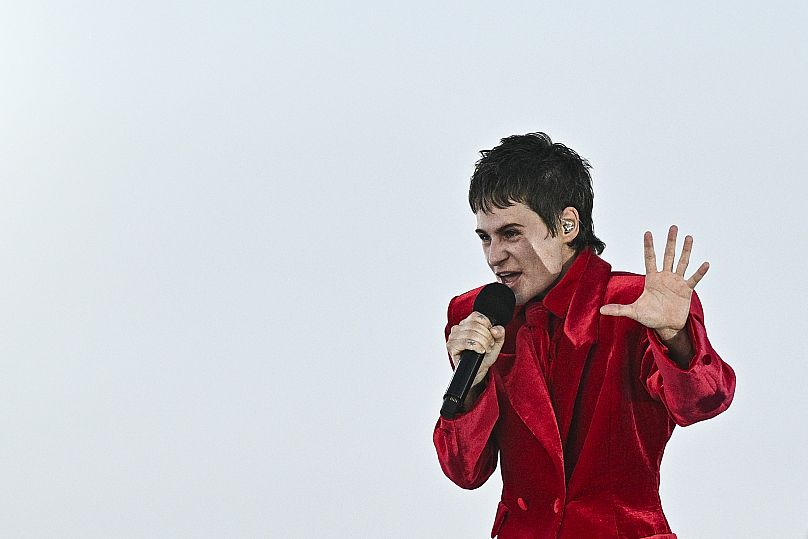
{"points": [[580, 417]]}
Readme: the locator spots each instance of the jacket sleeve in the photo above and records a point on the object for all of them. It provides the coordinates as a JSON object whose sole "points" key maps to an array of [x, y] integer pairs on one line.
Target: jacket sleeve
{"points": [[466, 450], [703, 390]]}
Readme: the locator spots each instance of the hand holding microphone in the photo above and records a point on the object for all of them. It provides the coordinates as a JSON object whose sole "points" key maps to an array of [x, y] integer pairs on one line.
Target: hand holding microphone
{"points": [[476, 333], [475, 343]]}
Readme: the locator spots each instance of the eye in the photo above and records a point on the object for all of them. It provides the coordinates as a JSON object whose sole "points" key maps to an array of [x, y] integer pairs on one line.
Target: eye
{"points": [[510, 234], [484, 238]]}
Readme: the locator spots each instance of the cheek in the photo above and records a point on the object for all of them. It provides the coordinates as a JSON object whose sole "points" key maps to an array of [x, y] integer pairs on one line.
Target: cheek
{"points": [[545, 258]]}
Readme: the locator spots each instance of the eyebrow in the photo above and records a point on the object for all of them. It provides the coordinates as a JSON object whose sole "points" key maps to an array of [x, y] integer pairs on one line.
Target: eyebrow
{"points": [[500, 229]]}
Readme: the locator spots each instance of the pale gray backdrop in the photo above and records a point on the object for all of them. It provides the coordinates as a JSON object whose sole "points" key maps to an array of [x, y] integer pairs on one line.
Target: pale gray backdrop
{"points": [[229, 232]]}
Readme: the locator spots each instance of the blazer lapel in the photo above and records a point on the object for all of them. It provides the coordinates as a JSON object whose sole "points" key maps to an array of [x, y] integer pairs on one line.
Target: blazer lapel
{"points": [[528, 394], [580, 333], [549, 419]]}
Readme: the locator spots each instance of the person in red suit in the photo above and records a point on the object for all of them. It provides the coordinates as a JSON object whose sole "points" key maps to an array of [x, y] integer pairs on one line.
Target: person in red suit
{"points": [[580, 392]]}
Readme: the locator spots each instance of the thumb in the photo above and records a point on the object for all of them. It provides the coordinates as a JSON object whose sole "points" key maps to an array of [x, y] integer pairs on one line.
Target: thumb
{"points": [[498, 332], [614, 309]]}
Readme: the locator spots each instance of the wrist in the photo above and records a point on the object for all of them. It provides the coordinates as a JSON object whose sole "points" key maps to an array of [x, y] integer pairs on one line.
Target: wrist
{"points": [[680, 349], [667, 335]]}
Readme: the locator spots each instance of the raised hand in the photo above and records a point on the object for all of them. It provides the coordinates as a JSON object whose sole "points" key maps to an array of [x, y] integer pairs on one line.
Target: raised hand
{"points": [[665, 301]]}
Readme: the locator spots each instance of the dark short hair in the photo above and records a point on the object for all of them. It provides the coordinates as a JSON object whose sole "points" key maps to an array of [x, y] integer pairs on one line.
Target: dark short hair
{"points": [[545, 176]]}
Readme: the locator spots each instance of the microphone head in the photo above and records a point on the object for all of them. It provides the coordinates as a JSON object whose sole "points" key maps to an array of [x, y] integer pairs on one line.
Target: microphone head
{"points": [[497, 302]]}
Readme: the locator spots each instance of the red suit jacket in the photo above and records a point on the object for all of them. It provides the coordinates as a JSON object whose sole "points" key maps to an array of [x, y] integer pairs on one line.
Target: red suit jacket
{"points": [[580, 440]]}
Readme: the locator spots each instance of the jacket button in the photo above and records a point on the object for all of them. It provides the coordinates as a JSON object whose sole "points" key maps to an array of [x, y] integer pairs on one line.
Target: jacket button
{"points": [[521, 503], [557, 505]]}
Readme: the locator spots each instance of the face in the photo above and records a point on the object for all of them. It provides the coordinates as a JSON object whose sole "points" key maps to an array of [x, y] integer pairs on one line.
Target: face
{"points": [[520, 250]]}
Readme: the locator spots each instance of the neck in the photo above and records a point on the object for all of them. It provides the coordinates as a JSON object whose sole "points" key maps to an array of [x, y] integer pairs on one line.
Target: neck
{"points": [[569, 257]]}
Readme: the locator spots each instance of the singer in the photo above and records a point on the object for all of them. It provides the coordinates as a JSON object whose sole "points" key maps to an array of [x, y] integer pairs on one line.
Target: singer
{"points": [[579, 393]]}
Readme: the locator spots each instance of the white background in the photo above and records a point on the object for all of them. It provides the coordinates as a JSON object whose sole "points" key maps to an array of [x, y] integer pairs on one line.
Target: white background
{"points": [[229, 232]]}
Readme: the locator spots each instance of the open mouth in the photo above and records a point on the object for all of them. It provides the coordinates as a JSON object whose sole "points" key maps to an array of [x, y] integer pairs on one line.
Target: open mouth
{"points": [[508, 277]]}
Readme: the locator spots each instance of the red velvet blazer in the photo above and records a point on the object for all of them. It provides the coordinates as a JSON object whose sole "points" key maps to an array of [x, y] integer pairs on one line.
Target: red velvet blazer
{"points": [[580, 456]]}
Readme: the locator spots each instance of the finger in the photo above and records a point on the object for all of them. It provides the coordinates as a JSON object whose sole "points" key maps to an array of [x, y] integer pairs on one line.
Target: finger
{"points": [[481, 318], [477, 346], [472, 325], [670, 249], [650, 255], [458, 346], [700, 273], [472, 337], [477, 332], [684, 260], [479, 341], [614, 309], [476, 317]]}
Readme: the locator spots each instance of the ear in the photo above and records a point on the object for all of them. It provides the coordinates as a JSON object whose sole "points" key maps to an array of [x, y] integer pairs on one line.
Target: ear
{"points": [[570, 216]]}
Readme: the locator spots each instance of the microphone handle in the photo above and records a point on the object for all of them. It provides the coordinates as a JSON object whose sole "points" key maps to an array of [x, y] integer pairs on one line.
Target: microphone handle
{"points": [[460, 385]]}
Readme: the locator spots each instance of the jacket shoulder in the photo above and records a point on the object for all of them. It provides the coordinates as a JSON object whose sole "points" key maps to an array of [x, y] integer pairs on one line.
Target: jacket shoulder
{"points": [[624, 287], [461, 306]]}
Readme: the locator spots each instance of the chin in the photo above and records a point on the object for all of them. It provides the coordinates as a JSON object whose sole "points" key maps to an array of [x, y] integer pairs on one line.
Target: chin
{"points": [[521, 299]]}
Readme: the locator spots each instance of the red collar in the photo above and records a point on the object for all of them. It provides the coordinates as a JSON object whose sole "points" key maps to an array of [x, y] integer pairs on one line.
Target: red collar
{"points": [[558, 299]]}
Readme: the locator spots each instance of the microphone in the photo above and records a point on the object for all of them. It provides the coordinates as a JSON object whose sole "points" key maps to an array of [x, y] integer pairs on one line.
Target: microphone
{"points": [[497, 302]]}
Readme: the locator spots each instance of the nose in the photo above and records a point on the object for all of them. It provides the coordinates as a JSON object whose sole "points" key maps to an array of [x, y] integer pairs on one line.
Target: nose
{"points": [[496, 253]]}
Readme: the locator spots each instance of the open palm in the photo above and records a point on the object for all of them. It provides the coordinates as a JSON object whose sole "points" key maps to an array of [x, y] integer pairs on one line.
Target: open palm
{"points": [[665, 300]]}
